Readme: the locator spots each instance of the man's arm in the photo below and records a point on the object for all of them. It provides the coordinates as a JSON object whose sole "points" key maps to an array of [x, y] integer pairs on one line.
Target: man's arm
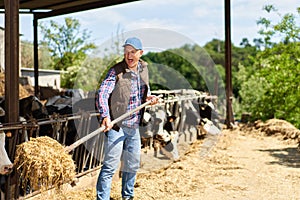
{"points": [[104, 92]]}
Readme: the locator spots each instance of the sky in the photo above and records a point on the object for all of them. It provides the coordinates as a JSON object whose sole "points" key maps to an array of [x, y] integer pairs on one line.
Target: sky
{"points": [[198, 21]]}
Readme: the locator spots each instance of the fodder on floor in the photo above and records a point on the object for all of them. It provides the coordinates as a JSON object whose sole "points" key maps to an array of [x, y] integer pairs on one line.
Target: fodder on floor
{"points": [[42, 163]]}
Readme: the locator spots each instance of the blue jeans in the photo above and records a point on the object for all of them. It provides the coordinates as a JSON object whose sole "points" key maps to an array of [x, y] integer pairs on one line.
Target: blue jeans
{"points": [[124, 145]]}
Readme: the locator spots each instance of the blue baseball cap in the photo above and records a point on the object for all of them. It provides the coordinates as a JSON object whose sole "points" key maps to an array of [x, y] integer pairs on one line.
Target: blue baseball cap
{"points": [[134, 42]]}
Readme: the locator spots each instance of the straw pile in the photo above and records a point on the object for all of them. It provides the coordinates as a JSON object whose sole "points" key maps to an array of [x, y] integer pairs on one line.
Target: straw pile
{"points": [[24, 91], [279, 127], [65, 194], [42, 162]]}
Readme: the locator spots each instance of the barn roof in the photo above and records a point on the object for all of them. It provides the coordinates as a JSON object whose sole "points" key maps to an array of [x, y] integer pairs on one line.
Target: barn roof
{"points": [[48, 8]]}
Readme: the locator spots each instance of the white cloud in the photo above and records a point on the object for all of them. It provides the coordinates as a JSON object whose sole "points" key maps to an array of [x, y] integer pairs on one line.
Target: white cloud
{"points": [[200, 20], [201, 12], [155, 3], [152, 23], [98, 16]]}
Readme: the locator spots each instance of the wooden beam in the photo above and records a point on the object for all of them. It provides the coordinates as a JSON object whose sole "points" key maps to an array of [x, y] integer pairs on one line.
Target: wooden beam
{"points": [[12, 61], [229, 112], [11, 79]]}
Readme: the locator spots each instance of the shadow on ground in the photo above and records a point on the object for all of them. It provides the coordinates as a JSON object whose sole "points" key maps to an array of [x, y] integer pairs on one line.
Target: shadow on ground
{"points": [[289, 157]]}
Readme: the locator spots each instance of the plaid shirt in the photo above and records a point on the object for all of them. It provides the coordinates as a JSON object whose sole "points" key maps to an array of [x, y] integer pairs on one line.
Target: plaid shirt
{"points": [[136, 94]]}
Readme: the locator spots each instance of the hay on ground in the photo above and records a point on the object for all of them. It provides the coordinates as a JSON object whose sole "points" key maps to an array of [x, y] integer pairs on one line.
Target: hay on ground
{"points": [[65, 194], [278, 126], [42, 162]]}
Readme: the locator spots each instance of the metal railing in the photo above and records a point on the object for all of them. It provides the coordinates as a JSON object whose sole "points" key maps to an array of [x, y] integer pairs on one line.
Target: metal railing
{"points": [[89, 155]]}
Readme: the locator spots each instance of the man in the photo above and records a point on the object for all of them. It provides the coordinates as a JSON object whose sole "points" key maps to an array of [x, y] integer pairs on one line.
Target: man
{"points": [[125, 87]]}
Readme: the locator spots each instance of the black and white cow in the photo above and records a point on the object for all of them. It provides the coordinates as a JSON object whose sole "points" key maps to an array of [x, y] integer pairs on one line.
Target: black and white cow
{"points": [[6, 166], [5, 163], [207, 119], [158, 131], [30, 109]]}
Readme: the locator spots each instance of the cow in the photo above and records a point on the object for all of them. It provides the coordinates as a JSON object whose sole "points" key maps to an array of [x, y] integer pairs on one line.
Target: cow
{"points": [[5, 164], [75, 94], [31, 109], [85, 107], [65, 106], [208, 110], [158, 128], [203, 116], [60, 105]]}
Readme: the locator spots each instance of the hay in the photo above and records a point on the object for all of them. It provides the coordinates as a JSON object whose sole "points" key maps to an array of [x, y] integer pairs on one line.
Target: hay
{"points": [[89, 193], [279, 127], [24, 91], [42, 162], [65, 194]]}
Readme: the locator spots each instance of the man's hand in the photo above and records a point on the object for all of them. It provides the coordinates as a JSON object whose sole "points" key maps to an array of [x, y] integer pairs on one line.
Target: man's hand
{"points": [[153, 99], [107, 124]]}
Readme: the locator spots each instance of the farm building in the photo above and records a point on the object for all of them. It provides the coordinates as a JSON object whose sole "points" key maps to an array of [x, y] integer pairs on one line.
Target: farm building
{"points": [[49, 78]]}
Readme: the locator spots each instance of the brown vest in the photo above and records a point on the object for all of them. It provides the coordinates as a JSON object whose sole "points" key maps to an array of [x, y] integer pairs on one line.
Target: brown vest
{"points": [[119, 98]]}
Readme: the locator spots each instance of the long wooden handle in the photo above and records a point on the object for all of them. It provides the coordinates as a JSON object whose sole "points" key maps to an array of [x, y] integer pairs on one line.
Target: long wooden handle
{"points": [[102, 128]]}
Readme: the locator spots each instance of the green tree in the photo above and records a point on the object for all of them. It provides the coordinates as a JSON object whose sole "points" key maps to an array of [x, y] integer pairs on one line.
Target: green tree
{"points": [[44, 57], [174, 63], [240, 55], [93, 71], [189, 66], [26, 54], [286, 29], [270, 88], [68, 47]]}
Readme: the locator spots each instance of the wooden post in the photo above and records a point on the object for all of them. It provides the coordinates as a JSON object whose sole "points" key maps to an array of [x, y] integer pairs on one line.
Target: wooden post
{"points": [[11, 80], [229, 112], [11, 60]]}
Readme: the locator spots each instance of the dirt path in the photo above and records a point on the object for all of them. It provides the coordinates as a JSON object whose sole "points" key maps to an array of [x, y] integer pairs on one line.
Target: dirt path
{"points": [[234, 165], [240, 166], [247, 167]]}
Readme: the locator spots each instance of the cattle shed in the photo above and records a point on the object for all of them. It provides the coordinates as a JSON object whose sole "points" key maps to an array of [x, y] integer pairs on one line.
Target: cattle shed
{"points": [[50, 8]]}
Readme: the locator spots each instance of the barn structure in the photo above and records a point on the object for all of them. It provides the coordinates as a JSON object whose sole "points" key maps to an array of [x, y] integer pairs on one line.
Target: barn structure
{"points": [[49, 8]]}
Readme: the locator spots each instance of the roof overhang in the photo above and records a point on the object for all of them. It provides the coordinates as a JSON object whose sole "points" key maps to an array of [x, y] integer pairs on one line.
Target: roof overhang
{"points": [[49, 8]]}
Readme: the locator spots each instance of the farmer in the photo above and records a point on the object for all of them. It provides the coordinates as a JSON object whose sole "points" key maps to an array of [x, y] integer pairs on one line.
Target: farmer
{"points": [[125, 87]]}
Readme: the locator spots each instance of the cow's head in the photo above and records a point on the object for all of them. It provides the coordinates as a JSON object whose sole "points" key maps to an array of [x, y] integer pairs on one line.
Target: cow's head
{"points": [[31, 107], [152, 123], [5, 163]]}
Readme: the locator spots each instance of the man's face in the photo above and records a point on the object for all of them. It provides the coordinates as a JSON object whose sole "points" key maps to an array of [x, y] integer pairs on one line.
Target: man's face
{"points": [[132, 56]]}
